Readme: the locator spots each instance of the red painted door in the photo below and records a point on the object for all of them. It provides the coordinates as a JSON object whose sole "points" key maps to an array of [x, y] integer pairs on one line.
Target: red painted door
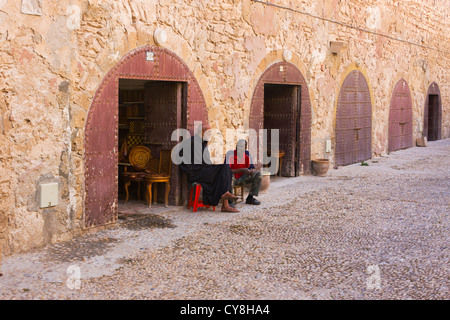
{"points": [[400, 118], [353, 121], [101, 154]]}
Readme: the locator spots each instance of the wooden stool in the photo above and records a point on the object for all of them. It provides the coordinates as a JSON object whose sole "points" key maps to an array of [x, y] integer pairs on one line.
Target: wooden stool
{"points": [[196, 203]]}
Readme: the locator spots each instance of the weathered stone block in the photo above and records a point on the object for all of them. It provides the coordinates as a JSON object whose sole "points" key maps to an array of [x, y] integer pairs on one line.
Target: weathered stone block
{"points": [[421, 142]]}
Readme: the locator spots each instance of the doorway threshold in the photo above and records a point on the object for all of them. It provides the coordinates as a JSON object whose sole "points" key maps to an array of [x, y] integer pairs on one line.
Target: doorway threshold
{"points": [[140, 208]]}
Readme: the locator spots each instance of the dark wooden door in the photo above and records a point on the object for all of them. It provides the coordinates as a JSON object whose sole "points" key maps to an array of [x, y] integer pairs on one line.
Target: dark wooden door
{"points": [[400, 118], [432, 116], [353, 121], [164, 113], [298, 130], [281, 112]]}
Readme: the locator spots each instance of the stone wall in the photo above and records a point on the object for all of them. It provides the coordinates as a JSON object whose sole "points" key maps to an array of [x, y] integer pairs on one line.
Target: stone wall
{"points": [[53, 56]]}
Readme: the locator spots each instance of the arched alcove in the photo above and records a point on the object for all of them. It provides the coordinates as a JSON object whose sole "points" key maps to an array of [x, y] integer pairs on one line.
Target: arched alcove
{"points": [[281, 101], [148, 64]]}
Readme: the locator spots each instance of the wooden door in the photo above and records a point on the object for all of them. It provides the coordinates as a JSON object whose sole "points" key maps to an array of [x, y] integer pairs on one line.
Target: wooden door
{"points": [[353, 121], [433, 117], [281, 112], [101, 156], [432, 124], [163, 114], [400, 118]]}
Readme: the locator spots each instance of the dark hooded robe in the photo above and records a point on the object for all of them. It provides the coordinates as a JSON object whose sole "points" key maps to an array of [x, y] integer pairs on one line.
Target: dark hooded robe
{"points": [[215, 179]]}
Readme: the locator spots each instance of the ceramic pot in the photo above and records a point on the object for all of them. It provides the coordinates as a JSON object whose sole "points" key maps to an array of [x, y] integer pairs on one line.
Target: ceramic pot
{"points": [[320, 167]]}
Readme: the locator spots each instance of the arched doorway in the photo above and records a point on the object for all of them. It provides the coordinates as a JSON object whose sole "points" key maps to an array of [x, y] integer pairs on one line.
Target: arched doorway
{"points": [[432, 113], [171, 89], [281, 101], [400, 117], [353, 120]]}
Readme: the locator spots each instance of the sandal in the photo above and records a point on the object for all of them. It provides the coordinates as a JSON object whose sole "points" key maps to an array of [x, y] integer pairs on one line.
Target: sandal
{"points": [[229, 209], [228, 196]]}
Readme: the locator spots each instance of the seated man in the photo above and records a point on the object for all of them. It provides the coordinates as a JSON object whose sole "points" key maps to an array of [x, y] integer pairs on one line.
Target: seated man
{"points": [[214, 179], [244, 172]]}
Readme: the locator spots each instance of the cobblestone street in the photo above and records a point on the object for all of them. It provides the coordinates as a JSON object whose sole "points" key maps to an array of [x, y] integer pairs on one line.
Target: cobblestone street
{"points": [[362, 232]]}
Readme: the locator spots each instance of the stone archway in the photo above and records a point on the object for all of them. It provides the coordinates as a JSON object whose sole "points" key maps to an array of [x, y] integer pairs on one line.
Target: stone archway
{"points": [[101, 129], [432, 115], [353, 120], [283, 83]]}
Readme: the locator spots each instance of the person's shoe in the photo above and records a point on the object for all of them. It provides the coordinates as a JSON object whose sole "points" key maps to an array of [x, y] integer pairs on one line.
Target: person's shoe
{"points": [[252, 201]]}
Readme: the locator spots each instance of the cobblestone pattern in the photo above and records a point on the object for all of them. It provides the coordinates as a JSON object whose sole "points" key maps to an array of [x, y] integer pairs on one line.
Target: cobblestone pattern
{"points": [[312, 238]]}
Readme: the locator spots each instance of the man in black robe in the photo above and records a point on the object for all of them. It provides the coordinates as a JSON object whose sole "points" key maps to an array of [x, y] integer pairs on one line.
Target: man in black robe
{"points": [[215, 179]]}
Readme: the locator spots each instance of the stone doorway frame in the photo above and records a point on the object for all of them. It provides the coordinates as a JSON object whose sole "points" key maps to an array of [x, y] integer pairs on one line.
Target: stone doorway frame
{"points": [[288, 74], [101, 127]]}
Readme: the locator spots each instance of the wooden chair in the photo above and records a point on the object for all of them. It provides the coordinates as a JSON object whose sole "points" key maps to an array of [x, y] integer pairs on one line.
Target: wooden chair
{"points": [[241, 193], [161, 176], [139, 157]]}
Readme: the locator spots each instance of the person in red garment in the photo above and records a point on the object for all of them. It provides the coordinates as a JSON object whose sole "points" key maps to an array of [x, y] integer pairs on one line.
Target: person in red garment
{"points": [[244, 171]]}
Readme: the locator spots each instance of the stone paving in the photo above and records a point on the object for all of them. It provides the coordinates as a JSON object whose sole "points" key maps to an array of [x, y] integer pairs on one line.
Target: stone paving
{"points": [[362, 232]]}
